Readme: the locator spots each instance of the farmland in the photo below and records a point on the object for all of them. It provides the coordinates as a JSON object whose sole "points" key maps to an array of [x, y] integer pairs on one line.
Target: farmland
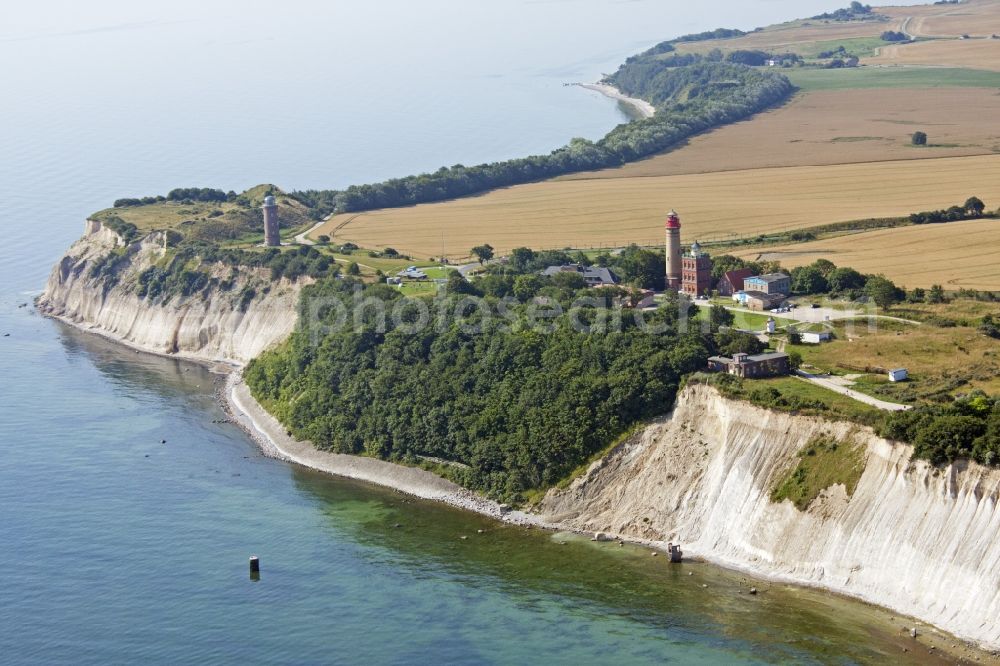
{"points": [[982, 53], [837, 127], [888, 78], [618, 211], [796, 36], [956, 255], [974, 17]]}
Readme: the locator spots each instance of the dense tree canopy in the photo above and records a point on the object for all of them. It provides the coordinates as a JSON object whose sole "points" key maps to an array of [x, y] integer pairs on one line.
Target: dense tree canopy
{"points": [[519, 404], [965, 428]]}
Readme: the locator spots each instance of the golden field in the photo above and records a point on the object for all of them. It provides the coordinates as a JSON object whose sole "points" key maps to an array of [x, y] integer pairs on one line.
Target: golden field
{"points": [[954, 254], [980, 53], [837, 127], [714, 206], [972, 17], [796, 36]]}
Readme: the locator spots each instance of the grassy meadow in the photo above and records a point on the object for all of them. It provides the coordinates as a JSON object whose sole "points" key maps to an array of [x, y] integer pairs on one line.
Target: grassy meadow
{"points": [[941, 359], [890, 78]]}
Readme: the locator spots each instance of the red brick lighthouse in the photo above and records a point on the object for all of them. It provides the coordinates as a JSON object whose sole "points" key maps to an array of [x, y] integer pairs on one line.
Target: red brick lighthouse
{"points": [[674, 270]]}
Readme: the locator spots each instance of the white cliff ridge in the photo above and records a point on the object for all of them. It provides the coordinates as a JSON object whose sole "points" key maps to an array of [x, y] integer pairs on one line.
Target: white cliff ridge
{"points": [[914, 538], [911, 537], [209, 326]]}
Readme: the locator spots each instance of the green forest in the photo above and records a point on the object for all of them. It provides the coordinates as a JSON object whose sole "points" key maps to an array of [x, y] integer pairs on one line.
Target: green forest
{"points": [[513, 405]]}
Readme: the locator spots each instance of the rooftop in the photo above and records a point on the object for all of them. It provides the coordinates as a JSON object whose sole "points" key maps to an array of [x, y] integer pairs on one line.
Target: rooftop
{"points": [[591, 274], [739, 274], [770, 277], [755, 358]]}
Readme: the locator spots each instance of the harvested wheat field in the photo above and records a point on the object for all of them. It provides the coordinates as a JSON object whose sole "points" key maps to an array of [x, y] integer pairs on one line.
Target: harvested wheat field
{"points": [[795, 36], [955, 254], [982, 53], [837, 127], [973, 17], [616, 211]]}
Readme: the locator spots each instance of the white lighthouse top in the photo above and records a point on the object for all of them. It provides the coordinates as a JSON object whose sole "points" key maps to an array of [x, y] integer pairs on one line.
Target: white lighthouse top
{"points": [[269, 200], [695, 249]]}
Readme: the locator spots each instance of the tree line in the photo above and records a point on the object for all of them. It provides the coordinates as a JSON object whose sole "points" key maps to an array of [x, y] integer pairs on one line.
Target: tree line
{"points": [[180, 194], [965, 428], [187, 270], [973, 208], [716, 94]]}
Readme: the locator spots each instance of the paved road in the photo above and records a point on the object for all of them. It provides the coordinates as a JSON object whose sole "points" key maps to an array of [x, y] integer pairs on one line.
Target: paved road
{"points": [[301, 238], [827, 383]]}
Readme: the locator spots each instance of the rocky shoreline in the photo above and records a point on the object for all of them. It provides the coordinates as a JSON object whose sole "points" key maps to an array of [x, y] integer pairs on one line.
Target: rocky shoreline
{"points": [[274, 441]]}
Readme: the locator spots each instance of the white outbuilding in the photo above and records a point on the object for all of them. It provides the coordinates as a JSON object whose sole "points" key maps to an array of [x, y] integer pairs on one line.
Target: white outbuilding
{"points": [[898, 375], [815, 337]]}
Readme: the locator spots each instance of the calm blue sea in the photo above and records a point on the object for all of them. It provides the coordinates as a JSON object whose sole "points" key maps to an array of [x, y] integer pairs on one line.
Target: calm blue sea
{"points": [[118, 548]]}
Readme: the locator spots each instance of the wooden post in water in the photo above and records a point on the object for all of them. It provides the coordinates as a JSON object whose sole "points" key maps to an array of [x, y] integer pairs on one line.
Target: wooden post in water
{"points": [[254, 567]]}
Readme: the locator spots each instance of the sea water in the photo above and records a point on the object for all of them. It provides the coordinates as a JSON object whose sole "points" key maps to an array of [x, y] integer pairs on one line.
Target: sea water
{"points": [[129, 507]]}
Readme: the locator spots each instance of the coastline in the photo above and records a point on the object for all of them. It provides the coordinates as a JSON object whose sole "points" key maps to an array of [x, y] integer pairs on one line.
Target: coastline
{"points": [[274, 441], [272, 438], [642, 107]]}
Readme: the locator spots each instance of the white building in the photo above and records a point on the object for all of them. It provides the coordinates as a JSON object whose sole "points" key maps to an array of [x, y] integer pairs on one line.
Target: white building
{"points": [[815, 337], [898, 375]]}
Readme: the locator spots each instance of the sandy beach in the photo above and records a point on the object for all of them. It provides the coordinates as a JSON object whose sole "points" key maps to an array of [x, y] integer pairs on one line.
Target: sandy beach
{"points": [[645, 109]]}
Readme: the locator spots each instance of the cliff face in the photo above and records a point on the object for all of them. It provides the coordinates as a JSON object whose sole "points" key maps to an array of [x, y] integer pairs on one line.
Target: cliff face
{"points": [[914, 538], [212, 325]]}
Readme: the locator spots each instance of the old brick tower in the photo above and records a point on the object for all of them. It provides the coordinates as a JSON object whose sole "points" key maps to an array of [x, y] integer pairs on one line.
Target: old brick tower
{"points": [[696, 269], [271, 235]]}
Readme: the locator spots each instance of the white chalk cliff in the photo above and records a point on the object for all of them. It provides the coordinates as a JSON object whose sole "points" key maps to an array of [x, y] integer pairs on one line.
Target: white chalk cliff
{"points": [[914, 538], [209, 327]]}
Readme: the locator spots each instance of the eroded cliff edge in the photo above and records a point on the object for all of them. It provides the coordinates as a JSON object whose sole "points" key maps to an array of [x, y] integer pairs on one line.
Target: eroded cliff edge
{"points": [[237, 315], [918, 539], [911, 537]]}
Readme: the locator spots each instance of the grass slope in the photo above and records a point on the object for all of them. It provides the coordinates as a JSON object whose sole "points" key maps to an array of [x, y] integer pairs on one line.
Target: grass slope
{"points": [[823, 463]]}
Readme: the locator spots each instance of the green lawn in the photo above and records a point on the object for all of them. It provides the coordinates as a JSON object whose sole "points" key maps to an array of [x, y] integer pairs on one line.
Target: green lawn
{"points": [[428, 286], [859, 46], [388, 265], [891, 77], [755, 321], [836, 404], [418, 288]]}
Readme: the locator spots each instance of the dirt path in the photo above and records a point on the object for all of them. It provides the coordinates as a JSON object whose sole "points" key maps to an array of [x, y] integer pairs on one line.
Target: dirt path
{"points": [[827, 383]]}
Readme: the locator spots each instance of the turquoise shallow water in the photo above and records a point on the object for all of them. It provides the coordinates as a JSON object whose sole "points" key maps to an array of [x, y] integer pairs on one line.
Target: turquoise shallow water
{"points": [[117, 548]]}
